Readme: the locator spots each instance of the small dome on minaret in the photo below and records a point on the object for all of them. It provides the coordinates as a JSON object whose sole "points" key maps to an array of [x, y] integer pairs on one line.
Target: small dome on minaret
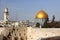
{"points": [[6, 10]]}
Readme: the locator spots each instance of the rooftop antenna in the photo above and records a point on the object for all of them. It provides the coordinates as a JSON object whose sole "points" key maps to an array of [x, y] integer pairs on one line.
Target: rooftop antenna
{"points": [[16, 17]]}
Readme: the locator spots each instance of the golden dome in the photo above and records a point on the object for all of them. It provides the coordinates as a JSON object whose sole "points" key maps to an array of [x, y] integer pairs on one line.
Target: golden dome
{"points": [[41, 14]]}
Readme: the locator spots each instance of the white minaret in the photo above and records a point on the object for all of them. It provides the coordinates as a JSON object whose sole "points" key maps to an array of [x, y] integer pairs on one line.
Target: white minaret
{"points": [[6, 14]]}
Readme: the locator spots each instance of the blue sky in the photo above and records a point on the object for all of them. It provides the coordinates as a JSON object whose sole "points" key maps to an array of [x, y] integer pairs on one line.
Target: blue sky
{"points": [[27, 9]]}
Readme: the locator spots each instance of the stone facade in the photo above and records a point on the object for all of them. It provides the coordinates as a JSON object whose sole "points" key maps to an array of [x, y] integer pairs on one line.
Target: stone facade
{"points": [[28, 33], [38, 33]]}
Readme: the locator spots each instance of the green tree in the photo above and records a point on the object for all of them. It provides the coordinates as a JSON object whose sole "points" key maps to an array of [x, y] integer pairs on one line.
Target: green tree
{"points": [[37, 24]]}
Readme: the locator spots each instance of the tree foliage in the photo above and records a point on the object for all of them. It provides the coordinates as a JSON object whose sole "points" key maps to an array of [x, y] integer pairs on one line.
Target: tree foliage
{"points": [[37, 24]]}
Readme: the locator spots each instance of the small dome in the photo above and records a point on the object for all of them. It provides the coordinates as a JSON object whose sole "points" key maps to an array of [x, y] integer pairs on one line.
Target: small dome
{"points": [[41, 14], [6, 9]]}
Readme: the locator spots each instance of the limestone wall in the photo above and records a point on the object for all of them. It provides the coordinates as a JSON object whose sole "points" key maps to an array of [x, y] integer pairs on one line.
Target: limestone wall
{"points": [[29, 33], [38, 33], [19, 32]]}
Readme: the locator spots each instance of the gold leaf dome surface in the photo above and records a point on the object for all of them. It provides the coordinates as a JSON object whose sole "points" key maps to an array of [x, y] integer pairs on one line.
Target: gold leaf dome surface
{"points": [[41, 14]]}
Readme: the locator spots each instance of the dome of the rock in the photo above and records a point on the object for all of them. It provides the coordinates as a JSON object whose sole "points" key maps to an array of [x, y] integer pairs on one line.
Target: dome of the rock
{"points": [[41, 14]]}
